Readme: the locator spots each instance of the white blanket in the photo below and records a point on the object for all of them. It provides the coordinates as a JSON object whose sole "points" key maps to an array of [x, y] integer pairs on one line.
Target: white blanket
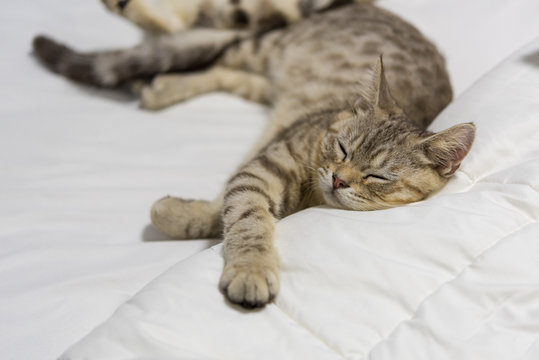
{"points": [[453, 277], [80, 168]]}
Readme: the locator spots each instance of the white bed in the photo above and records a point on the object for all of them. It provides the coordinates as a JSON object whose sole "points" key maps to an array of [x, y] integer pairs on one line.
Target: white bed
{"points": [[454, 277]]}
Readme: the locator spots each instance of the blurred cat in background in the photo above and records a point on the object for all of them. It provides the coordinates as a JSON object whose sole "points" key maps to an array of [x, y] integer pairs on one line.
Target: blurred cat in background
{"points": [[171, 16]]}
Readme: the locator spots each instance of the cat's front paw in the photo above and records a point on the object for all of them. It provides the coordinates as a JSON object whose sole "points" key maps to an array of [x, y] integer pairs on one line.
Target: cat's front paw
{"points": [[250, 285]]}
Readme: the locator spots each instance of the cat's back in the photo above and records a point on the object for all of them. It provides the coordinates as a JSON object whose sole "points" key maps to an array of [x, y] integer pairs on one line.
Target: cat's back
{"points": [[321, 60]]}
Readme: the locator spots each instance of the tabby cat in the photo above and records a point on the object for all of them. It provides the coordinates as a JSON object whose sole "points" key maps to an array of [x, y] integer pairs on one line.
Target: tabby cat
{"points": [[347, 129], [171, 16]]}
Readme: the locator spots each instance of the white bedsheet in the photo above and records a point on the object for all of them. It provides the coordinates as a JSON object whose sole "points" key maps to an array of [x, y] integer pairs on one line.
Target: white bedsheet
{"points": [[79, 168]]}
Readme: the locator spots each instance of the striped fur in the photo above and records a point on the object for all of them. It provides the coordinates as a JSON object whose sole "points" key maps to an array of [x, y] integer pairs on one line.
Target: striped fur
{"points": [[346, 130], [172, 16]]}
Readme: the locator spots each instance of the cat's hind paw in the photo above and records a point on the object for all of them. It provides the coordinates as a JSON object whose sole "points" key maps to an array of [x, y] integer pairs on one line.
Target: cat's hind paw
{"points": [[250, 285], [167, 90], [186, 219]]}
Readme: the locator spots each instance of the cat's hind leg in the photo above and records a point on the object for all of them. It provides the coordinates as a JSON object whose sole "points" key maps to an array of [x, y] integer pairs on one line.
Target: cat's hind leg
{"points": [[166, 90], [187, 219]]}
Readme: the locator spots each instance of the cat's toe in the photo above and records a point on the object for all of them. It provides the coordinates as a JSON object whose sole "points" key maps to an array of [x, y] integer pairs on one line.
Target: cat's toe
{"points": [[251, 286]]}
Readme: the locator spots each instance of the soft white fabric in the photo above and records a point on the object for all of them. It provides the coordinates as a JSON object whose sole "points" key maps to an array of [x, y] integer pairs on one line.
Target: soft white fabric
{"points": [[453, 277], [79, 169]]}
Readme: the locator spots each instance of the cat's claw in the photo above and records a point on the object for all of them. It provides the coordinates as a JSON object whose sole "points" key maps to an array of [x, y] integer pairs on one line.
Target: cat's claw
{"points": [[250, 285]]}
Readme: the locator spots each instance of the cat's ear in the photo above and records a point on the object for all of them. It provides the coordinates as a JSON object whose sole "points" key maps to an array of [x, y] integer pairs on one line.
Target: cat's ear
{"points": [[380, 96], [448, 148]]}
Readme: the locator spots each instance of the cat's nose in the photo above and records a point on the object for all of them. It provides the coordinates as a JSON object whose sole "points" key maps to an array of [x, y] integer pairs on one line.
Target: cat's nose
{"points": [[338, 182]]}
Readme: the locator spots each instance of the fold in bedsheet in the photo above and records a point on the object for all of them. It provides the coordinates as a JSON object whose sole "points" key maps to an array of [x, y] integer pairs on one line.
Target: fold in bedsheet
{"points": [[453, 277]]}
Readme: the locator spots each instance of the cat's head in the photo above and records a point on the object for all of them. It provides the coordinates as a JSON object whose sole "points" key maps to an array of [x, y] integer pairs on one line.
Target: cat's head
{"points": [[373, 158]]}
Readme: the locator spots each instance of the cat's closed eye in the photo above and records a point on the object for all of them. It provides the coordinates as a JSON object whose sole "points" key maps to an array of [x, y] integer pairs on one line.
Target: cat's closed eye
{"points": [[343, 150], [375, 177]]}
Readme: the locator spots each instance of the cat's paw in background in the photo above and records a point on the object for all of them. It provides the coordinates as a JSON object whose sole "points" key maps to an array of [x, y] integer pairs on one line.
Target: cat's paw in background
{"points": [[167, 90], [250, 284]]}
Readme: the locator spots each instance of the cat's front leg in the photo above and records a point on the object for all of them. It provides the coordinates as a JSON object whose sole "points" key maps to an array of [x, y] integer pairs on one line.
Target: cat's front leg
{"points": [[251, 274], [263, 191]]}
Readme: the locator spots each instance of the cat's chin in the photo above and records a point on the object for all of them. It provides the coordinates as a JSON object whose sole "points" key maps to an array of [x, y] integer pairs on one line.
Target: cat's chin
{"points": [[335, 200], [331, 200]]}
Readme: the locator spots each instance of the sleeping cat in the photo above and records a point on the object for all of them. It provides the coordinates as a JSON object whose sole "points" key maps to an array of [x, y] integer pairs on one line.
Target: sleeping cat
{"points": [[347, 128]]}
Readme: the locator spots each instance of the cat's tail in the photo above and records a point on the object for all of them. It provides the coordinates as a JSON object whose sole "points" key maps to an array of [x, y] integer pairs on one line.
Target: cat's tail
{"points": [[187, 219], [155, 55], [65, 61]]}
